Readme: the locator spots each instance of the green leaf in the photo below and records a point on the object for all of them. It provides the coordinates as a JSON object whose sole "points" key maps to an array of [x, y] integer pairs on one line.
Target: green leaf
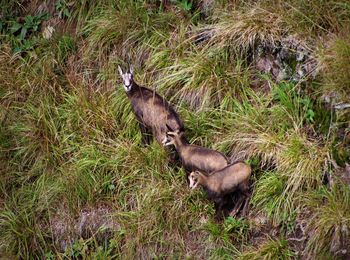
{"points": [[15, 27], [17, 49], [66, 13], [29, 19], [23, 33]]}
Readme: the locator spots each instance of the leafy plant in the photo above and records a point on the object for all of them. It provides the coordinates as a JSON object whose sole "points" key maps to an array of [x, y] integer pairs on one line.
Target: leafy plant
{"points": [[295, 104], [78, 249], [62, 7], [236, 228], [185, 5], [22, 35]]}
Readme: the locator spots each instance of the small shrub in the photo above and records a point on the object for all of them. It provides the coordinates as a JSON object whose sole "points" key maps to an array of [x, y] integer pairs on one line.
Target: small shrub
{"points": [[23, 35]]}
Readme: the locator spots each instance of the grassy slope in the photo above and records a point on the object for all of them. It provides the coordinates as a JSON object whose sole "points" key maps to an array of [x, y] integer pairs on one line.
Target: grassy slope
{"points": [[69, 142]]}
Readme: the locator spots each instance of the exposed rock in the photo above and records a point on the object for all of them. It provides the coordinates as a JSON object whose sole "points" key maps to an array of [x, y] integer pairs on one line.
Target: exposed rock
{"points": [[289, 59], [48, 31], [343, 173], [268, 64], [339, 244]]}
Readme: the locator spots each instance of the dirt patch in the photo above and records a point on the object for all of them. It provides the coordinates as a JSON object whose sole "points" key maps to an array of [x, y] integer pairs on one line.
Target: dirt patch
{"points": [[97, 222], [262, 229]]}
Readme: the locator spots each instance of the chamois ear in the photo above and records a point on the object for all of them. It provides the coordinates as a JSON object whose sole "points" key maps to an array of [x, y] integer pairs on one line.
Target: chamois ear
{"points": [[120, 71], [197, 173], [131, 69]]}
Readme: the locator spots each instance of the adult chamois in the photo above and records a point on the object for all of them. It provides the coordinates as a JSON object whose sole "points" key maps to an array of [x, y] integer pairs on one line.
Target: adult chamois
{"points": [[221, 183], [152, 111], [194, 157]]}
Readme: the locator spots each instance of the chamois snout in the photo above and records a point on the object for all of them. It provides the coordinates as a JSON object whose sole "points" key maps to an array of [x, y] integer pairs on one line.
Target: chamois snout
{"points": [[193, 178], [165, 141], [127, 78]]}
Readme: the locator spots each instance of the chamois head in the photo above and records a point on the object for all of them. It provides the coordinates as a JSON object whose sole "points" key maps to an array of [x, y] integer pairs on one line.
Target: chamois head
{"points": [[171, 136], [127, 77], [194, 179], [174, 137]]}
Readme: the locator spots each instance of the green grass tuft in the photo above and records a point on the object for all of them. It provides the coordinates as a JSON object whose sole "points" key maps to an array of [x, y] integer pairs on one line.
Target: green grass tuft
{"points": [[329, 225], [335, 64], [271, 249]]}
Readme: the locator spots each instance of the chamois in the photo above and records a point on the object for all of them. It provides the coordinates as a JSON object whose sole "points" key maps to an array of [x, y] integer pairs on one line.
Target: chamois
{"points": [[151, 110], [194, 157], [223, 182]]}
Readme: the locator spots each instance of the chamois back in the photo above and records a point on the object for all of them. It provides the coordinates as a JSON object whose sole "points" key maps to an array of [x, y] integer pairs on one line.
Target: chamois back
{"points": [[226, 180], [195, 157]]}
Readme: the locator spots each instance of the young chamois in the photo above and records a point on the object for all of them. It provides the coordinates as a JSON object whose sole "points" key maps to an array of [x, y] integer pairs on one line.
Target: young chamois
{"points": [[151, 110], [194, 157], [221, 183]]}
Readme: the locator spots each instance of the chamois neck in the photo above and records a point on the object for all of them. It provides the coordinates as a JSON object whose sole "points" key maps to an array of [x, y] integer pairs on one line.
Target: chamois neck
{"points": [[202, 179], [134, 88], [180, 143]]}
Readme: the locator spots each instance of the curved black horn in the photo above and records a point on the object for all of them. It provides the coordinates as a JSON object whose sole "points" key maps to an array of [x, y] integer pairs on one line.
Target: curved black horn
{"points": [[169, 128]]}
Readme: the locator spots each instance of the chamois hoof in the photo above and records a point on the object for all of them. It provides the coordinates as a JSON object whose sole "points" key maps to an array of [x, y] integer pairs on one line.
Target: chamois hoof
{"points": [[234, 212]]}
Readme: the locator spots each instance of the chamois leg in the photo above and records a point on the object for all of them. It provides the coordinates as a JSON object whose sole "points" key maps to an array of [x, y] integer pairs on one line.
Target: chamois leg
{"points": [[247, 197], [173, 156], [244, 188], [146, 134], [237, 207], [218, 203]]}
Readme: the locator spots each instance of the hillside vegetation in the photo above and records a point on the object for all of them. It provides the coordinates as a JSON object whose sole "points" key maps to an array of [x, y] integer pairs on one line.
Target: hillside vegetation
{"points": [[267, 82]]}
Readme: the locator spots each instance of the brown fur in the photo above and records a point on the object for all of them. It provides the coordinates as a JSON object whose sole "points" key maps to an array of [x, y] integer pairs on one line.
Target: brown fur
{"points": [[153, 113], [233, 177], [194, 157], [220, 183]]}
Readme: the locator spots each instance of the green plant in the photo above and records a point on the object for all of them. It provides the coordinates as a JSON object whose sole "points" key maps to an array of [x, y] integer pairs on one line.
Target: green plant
{"points": [[269, 250], [78, 249], [62, 7], [269, 197], [22, 35], [65, 45], [204, 77], [297, 105], [185, 5], [243, 30], [236, 228], [329, 224], [118, 28], [335, 64]]}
